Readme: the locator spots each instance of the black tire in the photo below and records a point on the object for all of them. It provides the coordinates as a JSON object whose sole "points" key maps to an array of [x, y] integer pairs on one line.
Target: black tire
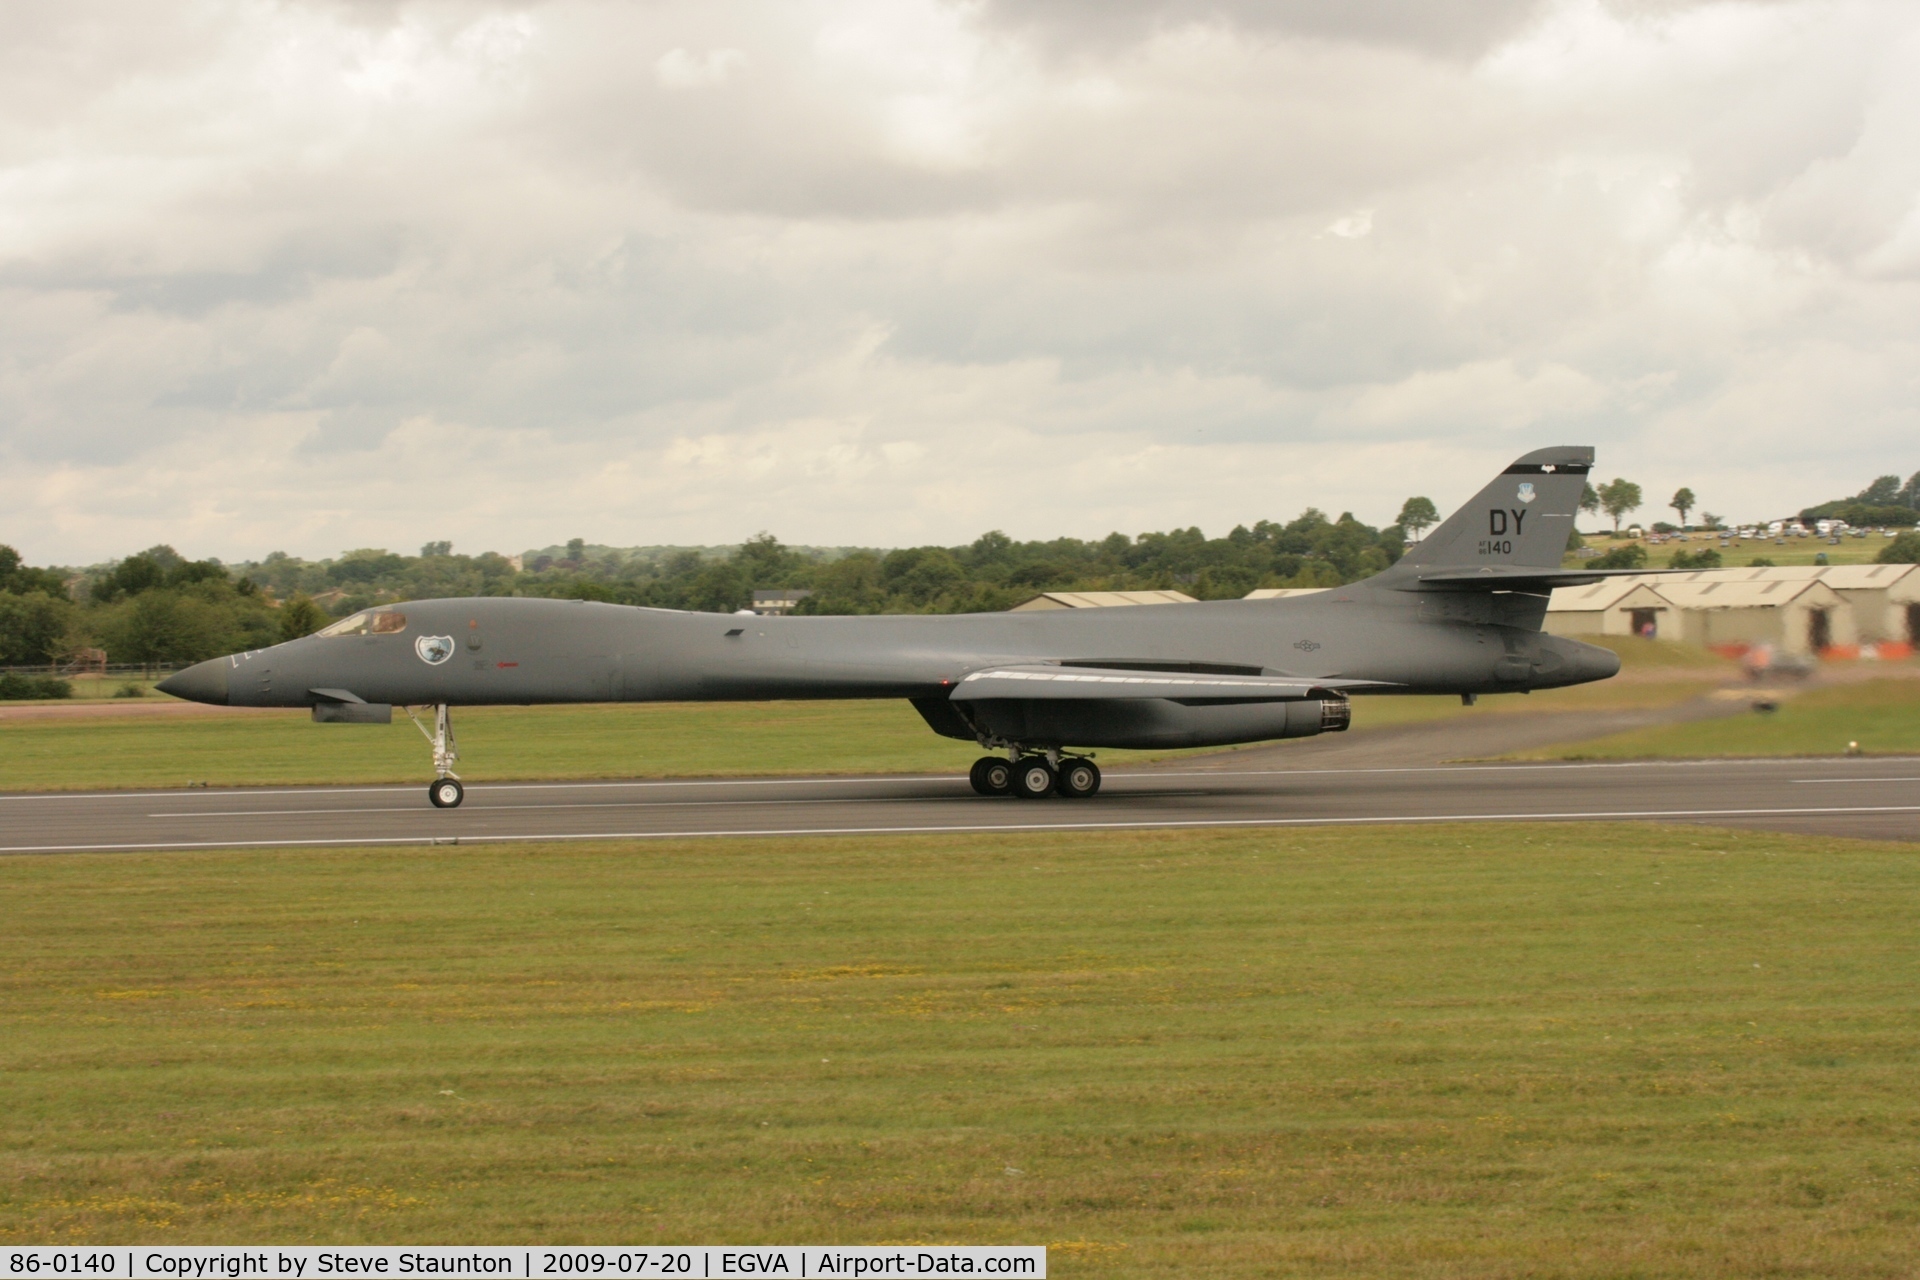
{"points": [[446, 793], [1078, 778], [992, 775], [1033, 778]]}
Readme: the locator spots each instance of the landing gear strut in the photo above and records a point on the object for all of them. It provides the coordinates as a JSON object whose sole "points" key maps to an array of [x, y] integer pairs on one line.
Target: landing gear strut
{"points": [[446, 791]]}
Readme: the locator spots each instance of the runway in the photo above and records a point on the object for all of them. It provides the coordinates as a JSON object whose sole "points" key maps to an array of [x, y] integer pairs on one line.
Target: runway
{"points": [[1873, 798]]}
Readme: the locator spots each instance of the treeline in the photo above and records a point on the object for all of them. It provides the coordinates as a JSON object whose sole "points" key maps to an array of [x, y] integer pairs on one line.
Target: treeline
{"points": [[1884, 502], [155, 608], [159, 608], [994, 572]]}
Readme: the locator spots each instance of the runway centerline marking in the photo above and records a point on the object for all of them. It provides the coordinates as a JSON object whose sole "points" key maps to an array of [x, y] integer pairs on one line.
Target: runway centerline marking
{"points": [[898, 779], [979, 828], [491, 810], [1857, 779]]}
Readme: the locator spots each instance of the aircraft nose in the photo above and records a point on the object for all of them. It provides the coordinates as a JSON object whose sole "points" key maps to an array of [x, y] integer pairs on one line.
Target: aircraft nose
{"points": [[205, 682]]}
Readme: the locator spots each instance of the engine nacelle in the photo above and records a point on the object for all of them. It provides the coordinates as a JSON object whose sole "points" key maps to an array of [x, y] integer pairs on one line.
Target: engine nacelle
{"points": [[1156, 723]]}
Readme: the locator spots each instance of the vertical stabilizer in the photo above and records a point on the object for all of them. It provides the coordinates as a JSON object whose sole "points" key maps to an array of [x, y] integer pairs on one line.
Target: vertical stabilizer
{"points": [[1521, 520]]}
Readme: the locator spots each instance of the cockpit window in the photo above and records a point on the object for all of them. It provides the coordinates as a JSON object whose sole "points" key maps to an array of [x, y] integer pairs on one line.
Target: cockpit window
{"points": [[377, 622]]}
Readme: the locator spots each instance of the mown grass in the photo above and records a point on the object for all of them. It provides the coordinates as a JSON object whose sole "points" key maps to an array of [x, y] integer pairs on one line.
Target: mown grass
{"points": [[1882, 716], [1463, 1051], [245, 748], [1795, 551]]}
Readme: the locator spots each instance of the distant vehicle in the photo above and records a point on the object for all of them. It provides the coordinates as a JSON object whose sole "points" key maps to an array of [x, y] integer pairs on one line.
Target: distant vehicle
{"points": [[1459, 614]]}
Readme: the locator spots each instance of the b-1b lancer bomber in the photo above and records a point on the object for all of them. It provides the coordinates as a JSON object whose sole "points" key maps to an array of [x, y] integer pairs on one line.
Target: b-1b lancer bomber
{"points": [[1460, 613]]}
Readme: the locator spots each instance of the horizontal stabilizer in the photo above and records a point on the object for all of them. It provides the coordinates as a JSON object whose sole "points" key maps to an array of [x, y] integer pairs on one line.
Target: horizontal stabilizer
{"points": [[1519, 578], [1053, 683]]}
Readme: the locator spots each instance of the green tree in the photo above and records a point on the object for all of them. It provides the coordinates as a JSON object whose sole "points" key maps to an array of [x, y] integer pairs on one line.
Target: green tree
{"points": [[1704, 558], [300, 616], [1904, 549], [1682, 502], [34, 627], [20, 579], [162, 626], [1590, 499], [1417, 515], [1628, 556], [436, 549], [1617, 497], [1883, 492], [130, 577], [766, 562], [921, 574]]}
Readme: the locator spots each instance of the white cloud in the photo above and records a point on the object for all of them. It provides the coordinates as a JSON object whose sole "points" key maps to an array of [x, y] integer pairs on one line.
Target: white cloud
{"points": [[330, 275], [678, 69], [1352, 226]]}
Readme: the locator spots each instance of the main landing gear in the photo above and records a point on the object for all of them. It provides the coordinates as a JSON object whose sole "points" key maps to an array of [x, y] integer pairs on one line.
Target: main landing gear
{"points": [[445, 791], [1033, 776]]}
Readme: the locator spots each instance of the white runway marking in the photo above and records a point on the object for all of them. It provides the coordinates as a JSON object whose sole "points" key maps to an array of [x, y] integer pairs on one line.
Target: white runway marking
{"points": [[1857, 779], [424, 808], [900, 779], [1615, 815]]}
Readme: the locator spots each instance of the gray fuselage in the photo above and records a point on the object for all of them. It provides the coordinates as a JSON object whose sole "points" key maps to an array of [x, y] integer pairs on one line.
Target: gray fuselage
{"points": [[524, 651]]}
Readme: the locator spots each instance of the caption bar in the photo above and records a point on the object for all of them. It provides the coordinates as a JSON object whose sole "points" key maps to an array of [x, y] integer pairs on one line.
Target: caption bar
{"points": [[520, 1262]]}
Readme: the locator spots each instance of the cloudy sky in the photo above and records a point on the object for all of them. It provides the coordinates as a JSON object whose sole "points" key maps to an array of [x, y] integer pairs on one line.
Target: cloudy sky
{"points": [[323, 275]]}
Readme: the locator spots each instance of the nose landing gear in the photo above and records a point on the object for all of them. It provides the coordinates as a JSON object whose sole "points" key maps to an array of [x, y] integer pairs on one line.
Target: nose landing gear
{"points": [[446, 791]]}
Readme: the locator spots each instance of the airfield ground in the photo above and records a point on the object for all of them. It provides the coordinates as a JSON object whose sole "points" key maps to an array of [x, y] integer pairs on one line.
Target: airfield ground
{"points": [[1455, 1050], [1742, 552], [1458, 1051], [1882, 716]]}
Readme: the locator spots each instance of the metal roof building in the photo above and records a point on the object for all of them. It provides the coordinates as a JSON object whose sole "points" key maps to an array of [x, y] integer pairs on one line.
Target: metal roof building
{"points": [[1883, 599], [1100, 599], [1801, 616], [1611, 607]]}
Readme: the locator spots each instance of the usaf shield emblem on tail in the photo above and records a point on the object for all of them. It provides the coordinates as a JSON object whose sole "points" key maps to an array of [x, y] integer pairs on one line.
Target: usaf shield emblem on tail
{"points": [[434, 650], [1526, 493]]}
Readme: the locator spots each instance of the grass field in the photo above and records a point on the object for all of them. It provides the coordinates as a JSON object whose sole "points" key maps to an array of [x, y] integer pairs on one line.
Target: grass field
{"points": [[596, 741], [1743, 553], [1883, 716], [1485, 1052]]}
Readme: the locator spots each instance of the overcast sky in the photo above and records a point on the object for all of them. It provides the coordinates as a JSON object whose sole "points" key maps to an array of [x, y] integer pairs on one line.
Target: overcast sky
{"points": [[314, 276]]}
